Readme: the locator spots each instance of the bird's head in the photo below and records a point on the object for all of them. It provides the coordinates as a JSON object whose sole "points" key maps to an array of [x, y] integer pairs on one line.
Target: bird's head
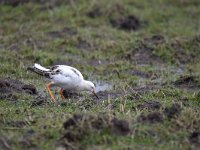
{"points": [[89, 86]]}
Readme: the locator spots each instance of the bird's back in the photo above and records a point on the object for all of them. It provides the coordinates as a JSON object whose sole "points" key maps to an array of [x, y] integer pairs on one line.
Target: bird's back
{"points": [[69, 71]]}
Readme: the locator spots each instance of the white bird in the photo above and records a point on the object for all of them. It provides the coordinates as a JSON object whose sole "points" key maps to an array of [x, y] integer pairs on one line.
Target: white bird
{"points": [[65, 77]]}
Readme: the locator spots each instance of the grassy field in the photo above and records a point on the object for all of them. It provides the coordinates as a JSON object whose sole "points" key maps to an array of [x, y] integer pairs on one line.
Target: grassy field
{"points": [[142, 55]]}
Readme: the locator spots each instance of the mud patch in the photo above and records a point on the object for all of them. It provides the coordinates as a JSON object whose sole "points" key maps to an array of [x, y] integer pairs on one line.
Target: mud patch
{"points": [[179, 53], [142, 55], [29, 89], [18, 124], [87, 104], [107, 94], [126, 23], [95, 12], [150, 105], [79, 127], [40, 100], [138, 91], [13, 2], [70, 94], [38, 103], [47, 4], [154, 117], [83, 44], [172, 111], [141, 74], [194, 138], [154, 40], [188, 82], [62, 33], [185, 50], [9, 86]]}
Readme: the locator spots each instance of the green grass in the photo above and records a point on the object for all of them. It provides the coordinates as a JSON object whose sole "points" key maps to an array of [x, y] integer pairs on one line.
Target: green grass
{"points": [[33, 32]]}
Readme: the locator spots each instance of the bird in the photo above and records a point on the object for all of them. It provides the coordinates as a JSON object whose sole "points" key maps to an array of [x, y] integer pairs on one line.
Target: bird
{"points": [[65, 77]]}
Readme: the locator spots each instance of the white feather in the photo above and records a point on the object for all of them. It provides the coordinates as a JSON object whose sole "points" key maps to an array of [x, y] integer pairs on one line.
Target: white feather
{"points": [[38, 66]]}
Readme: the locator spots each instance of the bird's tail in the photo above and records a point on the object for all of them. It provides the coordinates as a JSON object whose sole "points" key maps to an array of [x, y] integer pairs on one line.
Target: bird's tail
{"points": [[37, 68]]}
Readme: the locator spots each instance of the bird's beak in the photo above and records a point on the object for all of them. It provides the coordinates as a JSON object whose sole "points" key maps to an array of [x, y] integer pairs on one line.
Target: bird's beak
{"points": [[95, 94]]}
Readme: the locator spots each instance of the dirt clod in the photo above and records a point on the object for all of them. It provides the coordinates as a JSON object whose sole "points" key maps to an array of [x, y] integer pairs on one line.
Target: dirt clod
{"points": [[194, 137], [126, 23], [69, 94], [81, 126], [39, 101], [29, 89], [18, 124], [141, 73], [72, 121], [62, 33], [120, 127], [150, 105], [143, 54], [154, 117], [187, 82], [13, 2], [172, 111], [8, 88], [154, 40], [95, 12]]}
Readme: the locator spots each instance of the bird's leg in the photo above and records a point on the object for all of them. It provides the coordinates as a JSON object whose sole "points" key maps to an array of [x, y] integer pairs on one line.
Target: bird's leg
{"points": [[50, 92], [61, 94]]}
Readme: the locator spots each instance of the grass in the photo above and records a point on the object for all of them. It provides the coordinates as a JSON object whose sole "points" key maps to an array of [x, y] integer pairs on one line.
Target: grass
{"points": [[139, 68]]}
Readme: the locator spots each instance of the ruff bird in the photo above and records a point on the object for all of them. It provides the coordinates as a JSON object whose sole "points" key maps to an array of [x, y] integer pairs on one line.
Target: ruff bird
{"points": [[65, 77]]}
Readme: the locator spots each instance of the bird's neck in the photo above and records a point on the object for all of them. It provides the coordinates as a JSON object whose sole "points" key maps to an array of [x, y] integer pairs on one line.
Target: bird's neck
{"points": [[83, 86]]}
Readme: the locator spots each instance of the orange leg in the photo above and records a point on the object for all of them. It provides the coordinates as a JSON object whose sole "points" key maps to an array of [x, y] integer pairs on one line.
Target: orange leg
{"points": [[61, 94], [50, 92]]}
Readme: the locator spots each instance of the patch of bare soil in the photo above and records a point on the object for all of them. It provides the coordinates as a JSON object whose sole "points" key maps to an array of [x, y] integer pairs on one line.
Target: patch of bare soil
{"points": [[141, 74], [70, 94], [154, 40], [80, 126], [49, 3], [83, 44], [153, 117], [87, 104], [40, 101], [143, 53], [65, 32], [138, 91], [172, 111], [9, 86], [95, 12], [126, 23], [13, 2], [107, 94], [18, 124], [180, 54], [186, 50], [194, 138], [150, 105], [188, 82]]}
